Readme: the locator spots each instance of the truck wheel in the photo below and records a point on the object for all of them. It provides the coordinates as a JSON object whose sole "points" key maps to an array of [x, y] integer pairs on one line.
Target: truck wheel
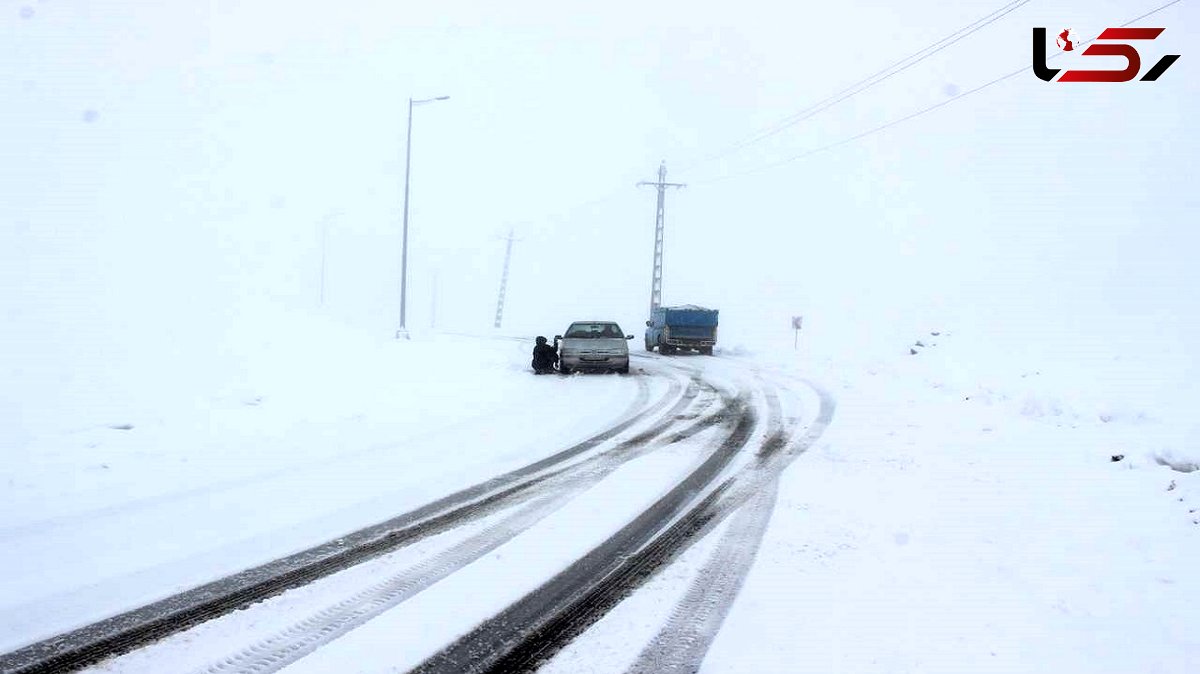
{"points": [[666, 349], [563, 369], [706, 350], [649, 346]]}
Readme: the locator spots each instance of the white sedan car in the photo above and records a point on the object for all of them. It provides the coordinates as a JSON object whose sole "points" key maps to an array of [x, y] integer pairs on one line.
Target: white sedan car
{"points": [[593, 345]]}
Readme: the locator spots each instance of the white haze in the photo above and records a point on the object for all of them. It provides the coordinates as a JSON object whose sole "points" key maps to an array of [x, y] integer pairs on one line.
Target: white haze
{"points": [[170, 169]]}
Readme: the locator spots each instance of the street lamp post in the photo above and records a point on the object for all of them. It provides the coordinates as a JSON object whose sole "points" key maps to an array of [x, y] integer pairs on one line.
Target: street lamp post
{"points": [[402, 333]]}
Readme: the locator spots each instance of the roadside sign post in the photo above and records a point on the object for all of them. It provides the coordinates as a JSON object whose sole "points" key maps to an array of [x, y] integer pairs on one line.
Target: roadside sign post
{"points": [[797, 322]]}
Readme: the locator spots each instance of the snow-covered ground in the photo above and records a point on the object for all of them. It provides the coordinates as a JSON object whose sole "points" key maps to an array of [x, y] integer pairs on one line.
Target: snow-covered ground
{"points": [[951, 518], [128, 498], [956, 520]]}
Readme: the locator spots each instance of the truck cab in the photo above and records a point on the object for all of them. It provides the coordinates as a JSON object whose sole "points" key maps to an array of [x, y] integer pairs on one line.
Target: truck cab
{"points": [[684, 327]]}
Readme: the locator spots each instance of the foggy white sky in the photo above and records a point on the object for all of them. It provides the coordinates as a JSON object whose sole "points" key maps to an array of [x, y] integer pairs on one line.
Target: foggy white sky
{"points": [[167, 159]]}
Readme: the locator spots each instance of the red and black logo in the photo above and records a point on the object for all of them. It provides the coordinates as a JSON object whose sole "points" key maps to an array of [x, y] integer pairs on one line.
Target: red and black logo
{"points": [[1066, 42]]}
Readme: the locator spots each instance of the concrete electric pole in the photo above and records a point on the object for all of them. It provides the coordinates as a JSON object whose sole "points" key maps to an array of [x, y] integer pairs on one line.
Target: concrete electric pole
{"points": [[656, 278], [504, 279]]}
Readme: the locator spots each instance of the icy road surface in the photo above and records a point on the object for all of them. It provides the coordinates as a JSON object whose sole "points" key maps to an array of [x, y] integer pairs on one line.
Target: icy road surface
{"points": [[701, 513]]}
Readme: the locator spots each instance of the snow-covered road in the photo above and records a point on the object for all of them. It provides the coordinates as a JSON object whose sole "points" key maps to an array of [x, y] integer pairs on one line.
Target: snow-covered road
{"points": [[947, 520], [536, 539]]}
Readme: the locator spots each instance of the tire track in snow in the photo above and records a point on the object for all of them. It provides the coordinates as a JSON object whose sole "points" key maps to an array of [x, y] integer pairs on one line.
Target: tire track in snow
{"points": [[532, 630], [532, 494], [139, 627], [303, 637], [536, 626], [680, 646]]}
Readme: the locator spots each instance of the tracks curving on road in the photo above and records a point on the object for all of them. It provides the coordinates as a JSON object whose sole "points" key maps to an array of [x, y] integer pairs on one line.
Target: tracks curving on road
{"points": [[745, 440]]}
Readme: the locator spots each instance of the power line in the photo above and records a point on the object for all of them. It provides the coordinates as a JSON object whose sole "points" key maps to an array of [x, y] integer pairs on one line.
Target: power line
{"points": [[883, 127], [828, 102], [868, 82], [918, 113]]}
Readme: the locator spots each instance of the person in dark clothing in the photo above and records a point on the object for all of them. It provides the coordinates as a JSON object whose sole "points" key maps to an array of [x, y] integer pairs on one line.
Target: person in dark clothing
{"points": [[544, 357]]}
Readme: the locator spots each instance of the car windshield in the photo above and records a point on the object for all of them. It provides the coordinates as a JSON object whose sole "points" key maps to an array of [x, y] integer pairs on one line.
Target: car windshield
{"points": [[593, 331]]}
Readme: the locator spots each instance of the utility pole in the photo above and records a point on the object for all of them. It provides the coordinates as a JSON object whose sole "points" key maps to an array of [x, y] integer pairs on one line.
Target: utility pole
{"points": [[656, 278], [504, 279], [402, 333]]}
